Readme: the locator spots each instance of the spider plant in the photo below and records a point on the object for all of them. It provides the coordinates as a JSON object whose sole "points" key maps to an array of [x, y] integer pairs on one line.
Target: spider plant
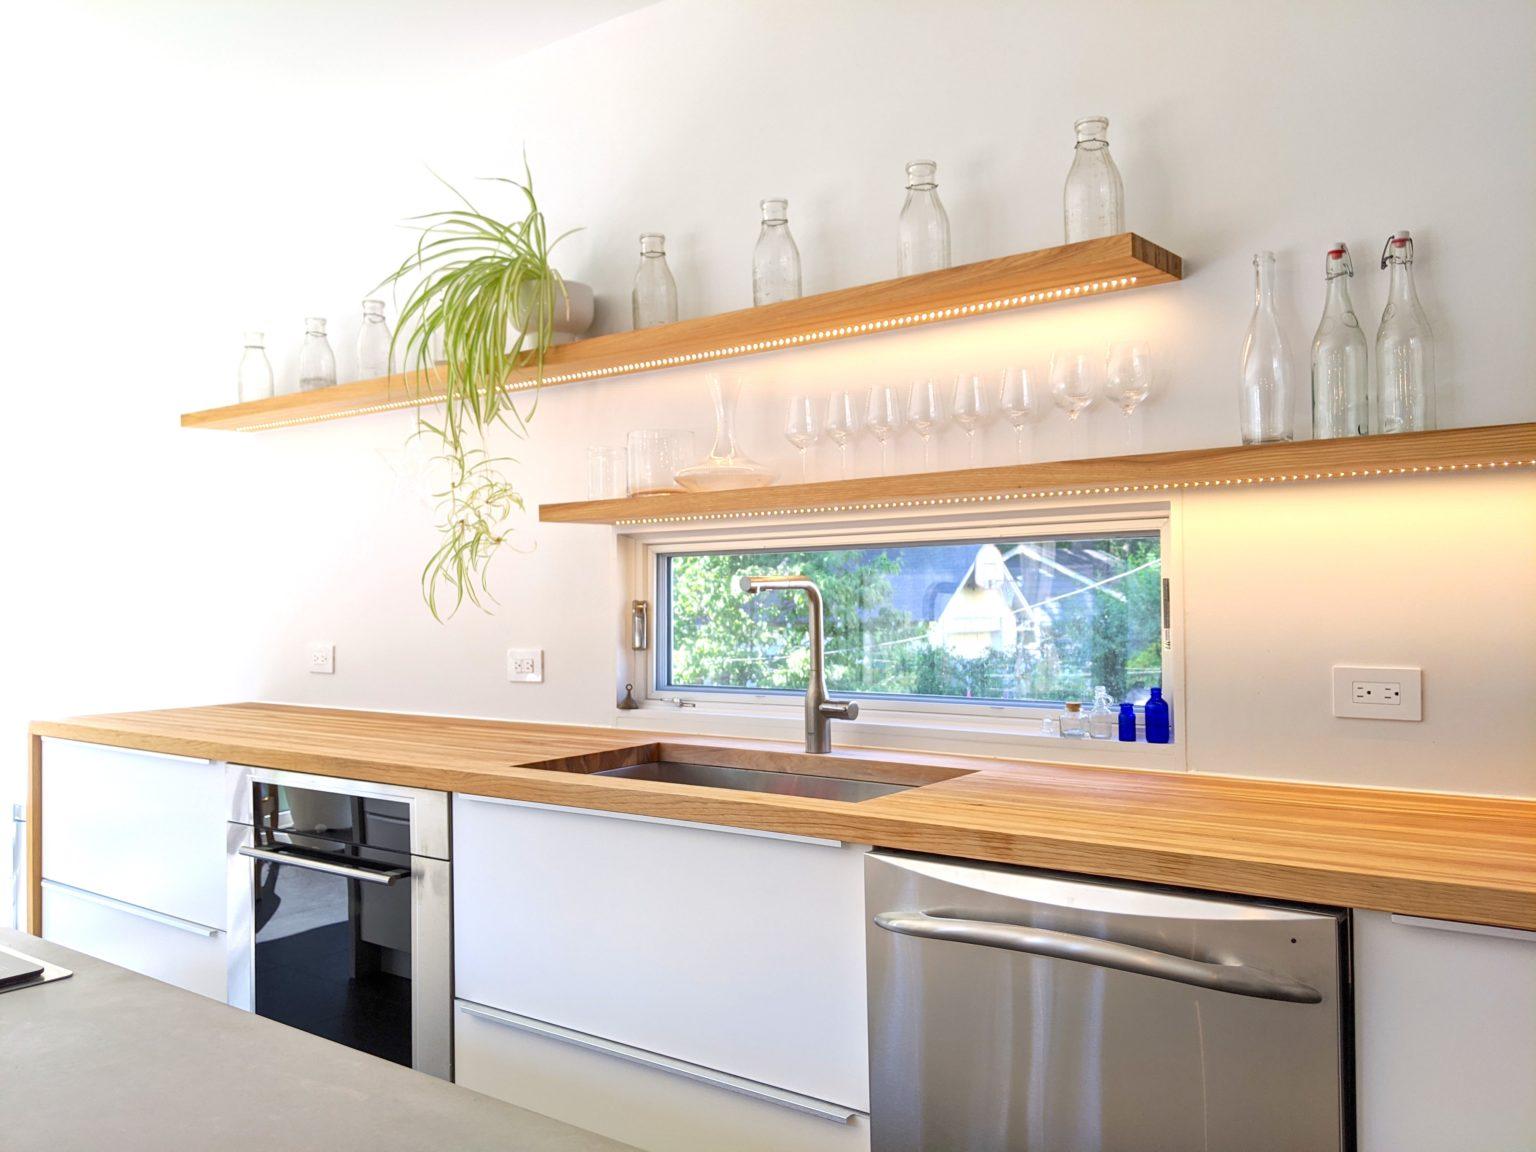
{"points": [[485, 291]]}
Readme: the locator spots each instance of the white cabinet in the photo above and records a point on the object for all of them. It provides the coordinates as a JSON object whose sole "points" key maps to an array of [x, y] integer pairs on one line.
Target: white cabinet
{"points": [[739, 952], [1445, 1033]]}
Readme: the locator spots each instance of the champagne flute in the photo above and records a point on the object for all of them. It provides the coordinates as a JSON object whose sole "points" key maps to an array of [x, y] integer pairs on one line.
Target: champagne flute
{"points": [[1074, 382], [842, 423], [970, 410], [1018, 404], [925, 412], [884, 418], [800, 429], [1127, 382]]}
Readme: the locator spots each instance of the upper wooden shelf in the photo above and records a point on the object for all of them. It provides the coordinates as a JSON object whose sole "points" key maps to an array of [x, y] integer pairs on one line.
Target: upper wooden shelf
{"points": [[1454, 450], [1072, 271]]}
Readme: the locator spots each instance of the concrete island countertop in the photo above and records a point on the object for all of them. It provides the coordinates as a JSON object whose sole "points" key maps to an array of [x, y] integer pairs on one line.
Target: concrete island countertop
{"points": [[1446, 856]]}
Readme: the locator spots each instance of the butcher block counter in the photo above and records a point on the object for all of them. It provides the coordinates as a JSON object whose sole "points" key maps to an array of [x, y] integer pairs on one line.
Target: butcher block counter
{"points": [[1435, 855]]}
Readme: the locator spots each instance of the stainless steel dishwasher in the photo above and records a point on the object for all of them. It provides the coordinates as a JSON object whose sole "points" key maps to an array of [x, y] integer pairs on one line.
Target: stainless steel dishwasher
{"points": [[1020, 1011]]}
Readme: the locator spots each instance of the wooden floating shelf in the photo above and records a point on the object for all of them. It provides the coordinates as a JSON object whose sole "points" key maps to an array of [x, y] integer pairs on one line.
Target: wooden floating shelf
{"points": [[1051, 275], [1458, 450]]}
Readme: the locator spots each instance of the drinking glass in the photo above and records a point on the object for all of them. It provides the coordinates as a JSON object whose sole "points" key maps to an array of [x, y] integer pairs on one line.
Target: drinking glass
{"points": [[925, 412], [970, 410], [1127, 381], [607, 473], [656, 455], [1017, 402], [885, 417], [842, 423], [1074, 382], [800, 429]]}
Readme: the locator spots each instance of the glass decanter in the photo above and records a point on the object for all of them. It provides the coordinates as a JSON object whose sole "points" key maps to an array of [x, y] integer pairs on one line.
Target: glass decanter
{"points": [[655, 294], [1264, 408], [923, 231], [1339, 377], [726, 466], [1093, 203], [1405, 350], [775, 260], [255, 369], [373, 342], [317, 363]]}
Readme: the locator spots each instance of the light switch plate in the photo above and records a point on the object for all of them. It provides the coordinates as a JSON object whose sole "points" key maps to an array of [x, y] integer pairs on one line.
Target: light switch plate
{"points": [[1369, 692], [322, 658], [525, 665]]}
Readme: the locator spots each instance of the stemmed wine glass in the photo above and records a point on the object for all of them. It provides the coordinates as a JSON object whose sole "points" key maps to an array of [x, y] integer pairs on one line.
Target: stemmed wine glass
{"points": [[800, 429], [1127, 382], [970, 410], [1074, 383], [842, 423], [884, 417], [1018, 403], [925, 412]]}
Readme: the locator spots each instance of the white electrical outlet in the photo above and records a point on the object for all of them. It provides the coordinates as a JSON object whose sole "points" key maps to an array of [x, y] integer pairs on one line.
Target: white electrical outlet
{"points": [[1371, 693], [322, 658], [525, 665]]}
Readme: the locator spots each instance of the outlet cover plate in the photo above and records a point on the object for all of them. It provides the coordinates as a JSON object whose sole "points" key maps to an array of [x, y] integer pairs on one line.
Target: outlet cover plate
{"points": [[1371, 692], [322, 658], [525, 665]]}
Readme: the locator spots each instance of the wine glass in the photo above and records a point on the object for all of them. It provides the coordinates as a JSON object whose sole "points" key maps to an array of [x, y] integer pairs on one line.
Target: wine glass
{"points": [[1018, 403], [925, 412], [1074, 383], [884, 417], [970, 410], [1127, 381], [800, 429], [842, 423]]}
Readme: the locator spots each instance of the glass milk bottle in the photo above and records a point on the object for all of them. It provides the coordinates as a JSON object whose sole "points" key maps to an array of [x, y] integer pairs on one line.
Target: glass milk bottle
{"points": [[655, 294], [373, 342], [317, 363], [1264, 408], [255, 369], [923, 230], [776, 259], [1339, 378], [1405, 351], [1093, 203]]}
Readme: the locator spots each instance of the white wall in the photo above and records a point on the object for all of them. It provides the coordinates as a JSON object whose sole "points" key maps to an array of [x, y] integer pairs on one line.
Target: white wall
{"points": [[182, 179]]}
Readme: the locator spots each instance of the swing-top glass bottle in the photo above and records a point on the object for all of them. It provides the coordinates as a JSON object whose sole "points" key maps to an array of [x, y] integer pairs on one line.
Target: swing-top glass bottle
{"points": [[1405, 352], [1340, 380]]}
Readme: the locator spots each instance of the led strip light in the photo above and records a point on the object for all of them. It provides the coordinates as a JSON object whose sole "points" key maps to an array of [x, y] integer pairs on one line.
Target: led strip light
{"points": [[1023, 300]]}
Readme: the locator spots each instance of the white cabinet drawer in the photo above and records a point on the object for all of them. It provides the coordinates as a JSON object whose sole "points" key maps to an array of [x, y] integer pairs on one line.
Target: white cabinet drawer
{"points": [[656, 1108], [139, 827], [187, 955], [739, 952]]}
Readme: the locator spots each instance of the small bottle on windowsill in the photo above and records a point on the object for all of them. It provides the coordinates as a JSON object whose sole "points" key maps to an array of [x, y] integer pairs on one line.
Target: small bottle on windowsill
{"points": [[1072, 721]]}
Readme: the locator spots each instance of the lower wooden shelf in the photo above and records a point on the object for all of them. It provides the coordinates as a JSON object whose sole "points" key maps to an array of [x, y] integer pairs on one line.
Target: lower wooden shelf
{"points": [[1455, 450]]}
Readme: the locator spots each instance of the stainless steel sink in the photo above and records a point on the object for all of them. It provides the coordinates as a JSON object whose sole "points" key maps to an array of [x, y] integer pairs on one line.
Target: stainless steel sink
{"points": [[758, 780]]}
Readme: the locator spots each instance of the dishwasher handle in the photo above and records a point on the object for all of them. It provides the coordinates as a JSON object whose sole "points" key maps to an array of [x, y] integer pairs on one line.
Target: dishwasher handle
{"points": [[1234, 978]]}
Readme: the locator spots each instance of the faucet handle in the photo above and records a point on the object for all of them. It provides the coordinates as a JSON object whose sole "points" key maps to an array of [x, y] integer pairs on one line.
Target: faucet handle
{"points": [[839, 709]]}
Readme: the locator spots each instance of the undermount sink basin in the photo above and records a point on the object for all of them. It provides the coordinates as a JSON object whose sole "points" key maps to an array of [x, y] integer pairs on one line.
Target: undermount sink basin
{"points": [[757, 780]]}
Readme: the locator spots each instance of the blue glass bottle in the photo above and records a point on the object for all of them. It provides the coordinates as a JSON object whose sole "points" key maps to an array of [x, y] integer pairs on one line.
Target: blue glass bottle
{"points": [[1128, 722], [1158, 719]]}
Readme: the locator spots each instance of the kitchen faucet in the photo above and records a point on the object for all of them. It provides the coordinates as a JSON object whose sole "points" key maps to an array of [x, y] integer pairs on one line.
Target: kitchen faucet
{"points": [[820, 710]]}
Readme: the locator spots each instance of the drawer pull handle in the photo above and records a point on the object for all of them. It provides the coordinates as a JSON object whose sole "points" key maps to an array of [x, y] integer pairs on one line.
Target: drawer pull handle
{"points": [[142, 913]]}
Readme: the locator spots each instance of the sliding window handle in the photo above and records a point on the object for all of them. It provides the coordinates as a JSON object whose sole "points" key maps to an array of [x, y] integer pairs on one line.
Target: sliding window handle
{"points": [[1233, 978], [295, 860]]}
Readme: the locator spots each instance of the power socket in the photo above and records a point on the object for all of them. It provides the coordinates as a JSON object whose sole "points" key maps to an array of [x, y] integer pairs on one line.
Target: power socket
{"points": [[525, 665], [322, 658], [1371, 693]]}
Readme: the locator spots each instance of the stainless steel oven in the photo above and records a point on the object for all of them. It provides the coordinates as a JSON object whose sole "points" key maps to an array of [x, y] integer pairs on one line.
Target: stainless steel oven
{"points": [[340, 912]]}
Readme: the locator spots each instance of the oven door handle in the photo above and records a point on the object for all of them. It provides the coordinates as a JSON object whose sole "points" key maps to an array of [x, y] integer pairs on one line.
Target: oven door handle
{"points": [[1237, 979], [384, 876]]}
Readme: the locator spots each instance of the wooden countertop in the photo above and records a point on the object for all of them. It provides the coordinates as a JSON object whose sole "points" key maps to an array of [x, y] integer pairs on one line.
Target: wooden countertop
{"points": [[1426, 854]]}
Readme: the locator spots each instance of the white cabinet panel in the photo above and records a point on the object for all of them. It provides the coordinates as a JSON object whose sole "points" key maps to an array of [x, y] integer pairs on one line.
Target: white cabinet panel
{"points": [[739, 952], [187, 955], [651, 1108], [135, 826], [1445, 1037]]}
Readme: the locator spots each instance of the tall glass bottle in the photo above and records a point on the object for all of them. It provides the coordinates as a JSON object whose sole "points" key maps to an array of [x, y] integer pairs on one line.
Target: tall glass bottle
{"points": [[373, 342], [655, 294], [1264, 408], [1340, 381], [923, 231], [1405, 350], [317, 363], [776, 259], [255, 369], [1093, 203]]}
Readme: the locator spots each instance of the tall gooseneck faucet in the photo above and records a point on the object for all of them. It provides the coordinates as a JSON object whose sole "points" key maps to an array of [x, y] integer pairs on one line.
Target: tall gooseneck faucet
{"points": [[820, 709]]}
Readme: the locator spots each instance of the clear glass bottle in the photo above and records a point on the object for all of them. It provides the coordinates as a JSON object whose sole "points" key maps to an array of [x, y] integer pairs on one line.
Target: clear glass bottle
{"points": [[1264, 409], [255, 368], [373, 342], [1101, 717], [1340, 380], [655, 294], [1072, 727], [776, 259], [1405, 350], [923, 231], [317, 363], [1093, 203]]}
